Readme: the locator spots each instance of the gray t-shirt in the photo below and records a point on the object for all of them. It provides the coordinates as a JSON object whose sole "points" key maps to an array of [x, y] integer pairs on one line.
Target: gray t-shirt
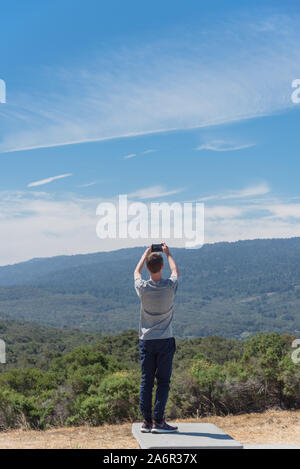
{"points": [[157, 303]]}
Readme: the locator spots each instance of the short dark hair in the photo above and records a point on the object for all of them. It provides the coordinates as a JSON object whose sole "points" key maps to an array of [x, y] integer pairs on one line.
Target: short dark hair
{"points": [[154, 262]]}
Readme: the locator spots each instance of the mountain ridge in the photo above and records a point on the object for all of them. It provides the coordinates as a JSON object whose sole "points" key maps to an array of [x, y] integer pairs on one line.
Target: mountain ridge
{"points": [[227, 289]]}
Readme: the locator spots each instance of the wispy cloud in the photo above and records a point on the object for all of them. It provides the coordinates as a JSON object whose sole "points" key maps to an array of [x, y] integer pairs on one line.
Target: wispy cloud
{"points": [[36, 224], [196, 82], [221, 145], [134, 155], [284, 210], [223, 212], [153, 192], [88, 184], [48, 180], [249, 191], [128, 157]]}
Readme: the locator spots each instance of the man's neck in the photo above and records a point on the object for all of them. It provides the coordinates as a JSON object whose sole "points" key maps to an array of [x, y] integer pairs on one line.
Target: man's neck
{"points": [[156, 277]]}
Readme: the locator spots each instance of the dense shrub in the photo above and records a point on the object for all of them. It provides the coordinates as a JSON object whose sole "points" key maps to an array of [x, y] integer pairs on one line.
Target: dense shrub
{"points": [[87, 386]]}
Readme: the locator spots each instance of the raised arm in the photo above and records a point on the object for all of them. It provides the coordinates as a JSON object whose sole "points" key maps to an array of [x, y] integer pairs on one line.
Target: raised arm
{"points": [[140, 264], [172, 263]]}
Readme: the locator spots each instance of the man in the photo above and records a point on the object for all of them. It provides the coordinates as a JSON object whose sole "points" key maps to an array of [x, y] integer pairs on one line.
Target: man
{"points": [[156, 341]]}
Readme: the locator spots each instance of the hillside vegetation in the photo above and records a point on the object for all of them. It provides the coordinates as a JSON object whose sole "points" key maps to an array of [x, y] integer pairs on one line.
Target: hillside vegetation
{"points": [[99, 383], [227, 289]]}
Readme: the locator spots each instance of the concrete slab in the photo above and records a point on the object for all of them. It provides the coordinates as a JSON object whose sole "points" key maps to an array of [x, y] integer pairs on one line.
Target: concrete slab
{"points": [[271, 446], [189, 435]]}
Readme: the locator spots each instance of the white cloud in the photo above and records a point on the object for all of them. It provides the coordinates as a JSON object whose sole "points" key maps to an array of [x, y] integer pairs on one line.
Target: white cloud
{"points": [[148, 151], [36, 224], [153, 192], [196, 82], [131, 155], [88, 184], [285, 210], [33, 225], [249, 191], [223, 211], [241, 229], [221, 145], [46, 181]]}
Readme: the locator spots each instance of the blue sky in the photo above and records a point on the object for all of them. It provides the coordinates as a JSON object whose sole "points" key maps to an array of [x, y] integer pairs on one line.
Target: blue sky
{"points": [[163, 101]]}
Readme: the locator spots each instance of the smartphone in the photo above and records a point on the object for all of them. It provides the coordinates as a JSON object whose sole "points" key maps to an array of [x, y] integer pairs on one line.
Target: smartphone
{"points": [[156, 248]]}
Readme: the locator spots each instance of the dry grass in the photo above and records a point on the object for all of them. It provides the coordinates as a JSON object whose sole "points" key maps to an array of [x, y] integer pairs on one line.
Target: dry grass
{"points": [[273, 426], [269, 427]]}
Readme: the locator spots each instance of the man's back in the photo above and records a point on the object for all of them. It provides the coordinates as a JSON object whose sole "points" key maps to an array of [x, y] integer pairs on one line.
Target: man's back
{"points": [[157, 304], [157, 344]]}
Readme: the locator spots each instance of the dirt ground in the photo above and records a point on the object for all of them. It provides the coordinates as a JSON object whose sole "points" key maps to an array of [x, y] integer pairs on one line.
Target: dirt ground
{"points": [[281, 427]]}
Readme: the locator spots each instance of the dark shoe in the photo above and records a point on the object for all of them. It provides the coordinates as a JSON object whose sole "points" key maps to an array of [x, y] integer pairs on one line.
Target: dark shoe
{"points": [[146, 427], [163, 427]]}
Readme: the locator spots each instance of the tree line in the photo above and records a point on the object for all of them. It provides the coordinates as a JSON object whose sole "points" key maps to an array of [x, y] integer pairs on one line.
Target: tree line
{"points": [[98, 382]]}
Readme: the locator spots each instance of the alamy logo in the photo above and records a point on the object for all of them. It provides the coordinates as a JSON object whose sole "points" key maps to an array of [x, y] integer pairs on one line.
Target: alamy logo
{"points": [[296, 353], [2, 91], [295, 96], [2, 351], [153, 221]]}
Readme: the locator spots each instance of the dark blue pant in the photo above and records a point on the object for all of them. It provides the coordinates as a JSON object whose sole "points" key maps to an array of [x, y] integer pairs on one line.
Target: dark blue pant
{"points": [[156, 361]]}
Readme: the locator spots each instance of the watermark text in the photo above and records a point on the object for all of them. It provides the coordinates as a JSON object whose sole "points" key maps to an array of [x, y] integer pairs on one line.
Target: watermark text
{"points": [[296, 353], [295, 96], [2, 92], [138, 220], [2, 351]]}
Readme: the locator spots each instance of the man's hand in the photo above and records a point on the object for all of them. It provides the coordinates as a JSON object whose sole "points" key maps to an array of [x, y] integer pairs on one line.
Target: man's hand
{"points": [[171, 261], [147, 252], [165, 249]]}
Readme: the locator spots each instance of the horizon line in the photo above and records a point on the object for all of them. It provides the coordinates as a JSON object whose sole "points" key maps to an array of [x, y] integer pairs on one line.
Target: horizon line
{"points": [[144, 246]]}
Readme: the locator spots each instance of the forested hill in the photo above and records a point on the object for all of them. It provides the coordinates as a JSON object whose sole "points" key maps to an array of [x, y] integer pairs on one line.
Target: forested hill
{"points": [[228, 289]]}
